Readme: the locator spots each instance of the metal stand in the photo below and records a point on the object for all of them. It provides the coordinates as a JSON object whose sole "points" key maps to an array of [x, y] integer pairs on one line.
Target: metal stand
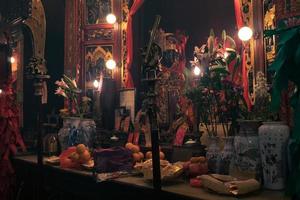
{"points": [[149, 105], [154, 134]]}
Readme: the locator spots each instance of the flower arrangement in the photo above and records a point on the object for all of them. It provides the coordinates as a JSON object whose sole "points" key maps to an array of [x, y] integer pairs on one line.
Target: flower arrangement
{"points": [[68, 89], [216, 97]]}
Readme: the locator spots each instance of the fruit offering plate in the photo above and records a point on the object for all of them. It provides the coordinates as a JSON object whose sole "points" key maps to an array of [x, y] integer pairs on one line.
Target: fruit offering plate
{"points": [[169, 172], [52, 160], [89, 165]]}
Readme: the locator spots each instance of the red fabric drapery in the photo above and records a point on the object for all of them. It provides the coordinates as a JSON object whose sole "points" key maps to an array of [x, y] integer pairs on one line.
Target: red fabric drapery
{"points": [[10, 137], [240, 23], [129, 39]]}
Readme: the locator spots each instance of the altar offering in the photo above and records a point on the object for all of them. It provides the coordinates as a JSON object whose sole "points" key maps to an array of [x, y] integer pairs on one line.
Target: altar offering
{"points": [[224, 184], [168, 171], [75, 157]]}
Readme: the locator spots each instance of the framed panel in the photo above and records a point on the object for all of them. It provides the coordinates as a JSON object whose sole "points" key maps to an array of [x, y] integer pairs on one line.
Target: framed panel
{"points": [[96, 11], [95, 57]]}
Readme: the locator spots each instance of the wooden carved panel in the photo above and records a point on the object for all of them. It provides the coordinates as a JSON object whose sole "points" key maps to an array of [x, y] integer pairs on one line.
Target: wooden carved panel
{"points": [[96, 11], [37, 24], [288, 12], [125, 12], [103, 34], [95, 58], [269, 42], [73, 37]]}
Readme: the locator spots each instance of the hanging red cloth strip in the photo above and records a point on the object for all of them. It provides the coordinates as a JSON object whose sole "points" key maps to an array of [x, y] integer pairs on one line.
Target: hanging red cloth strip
{"points": [[129, 43], [240, 24], [10, 138]]}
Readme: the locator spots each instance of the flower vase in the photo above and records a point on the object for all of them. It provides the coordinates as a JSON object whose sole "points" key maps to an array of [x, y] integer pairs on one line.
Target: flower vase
{"points": [[246, 146], [73, 137], [63, 133], [226, 156], [76, 131], [213, 154], [273, 139], [88, 131]]}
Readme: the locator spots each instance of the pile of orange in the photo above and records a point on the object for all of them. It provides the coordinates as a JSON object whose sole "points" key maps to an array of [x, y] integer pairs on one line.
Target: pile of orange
{"points": [[81, 155], [74, 156], [149, 155], [137, 155]]}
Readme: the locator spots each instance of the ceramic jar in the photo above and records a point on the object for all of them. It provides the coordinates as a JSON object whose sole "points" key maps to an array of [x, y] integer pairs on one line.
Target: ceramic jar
{"points": [[213, 154], [88, 131], [76, 131], [226, 156], [273, 140], [63, 133], [246, 146]]}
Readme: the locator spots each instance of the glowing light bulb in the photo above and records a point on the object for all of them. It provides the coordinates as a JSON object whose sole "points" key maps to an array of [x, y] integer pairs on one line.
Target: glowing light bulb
{"points": [[96, 84], [1, 91], [245, 33], [111, 18], [111, 64], [12, 60], [197, 71]]}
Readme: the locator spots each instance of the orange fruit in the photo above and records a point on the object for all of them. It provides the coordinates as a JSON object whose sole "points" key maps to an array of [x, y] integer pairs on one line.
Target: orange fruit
{"points": [[128, 145], [141, 155], [80, 148], [135, 148], [161, 155], [136, 157], [149, 155], [74, 156], [85, 156]]}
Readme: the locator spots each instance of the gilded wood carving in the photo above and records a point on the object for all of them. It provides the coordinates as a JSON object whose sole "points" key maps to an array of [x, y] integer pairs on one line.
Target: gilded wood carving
{"points": [[99, 34], [37, 24], [125, 12]]}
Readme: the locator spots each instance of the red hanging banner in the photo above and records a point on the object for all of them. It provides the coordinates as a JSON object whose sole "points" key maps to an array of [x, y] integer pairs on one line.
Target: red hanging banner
{"points": [[129, 38]]}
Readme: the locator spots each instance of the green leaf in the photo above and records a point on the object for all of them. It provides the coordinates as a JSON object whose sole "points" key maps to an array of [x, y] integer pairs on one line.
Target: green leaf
{"points": [[231, 56], [219, 69]]}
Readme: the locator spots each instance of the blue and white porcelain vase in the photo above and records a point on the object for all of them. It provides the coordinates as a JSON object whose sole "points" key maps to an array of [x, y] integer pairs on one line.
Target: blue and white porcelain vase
{"points": [[273, 140], [76, 131], [63, 133], [246, 146]]}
